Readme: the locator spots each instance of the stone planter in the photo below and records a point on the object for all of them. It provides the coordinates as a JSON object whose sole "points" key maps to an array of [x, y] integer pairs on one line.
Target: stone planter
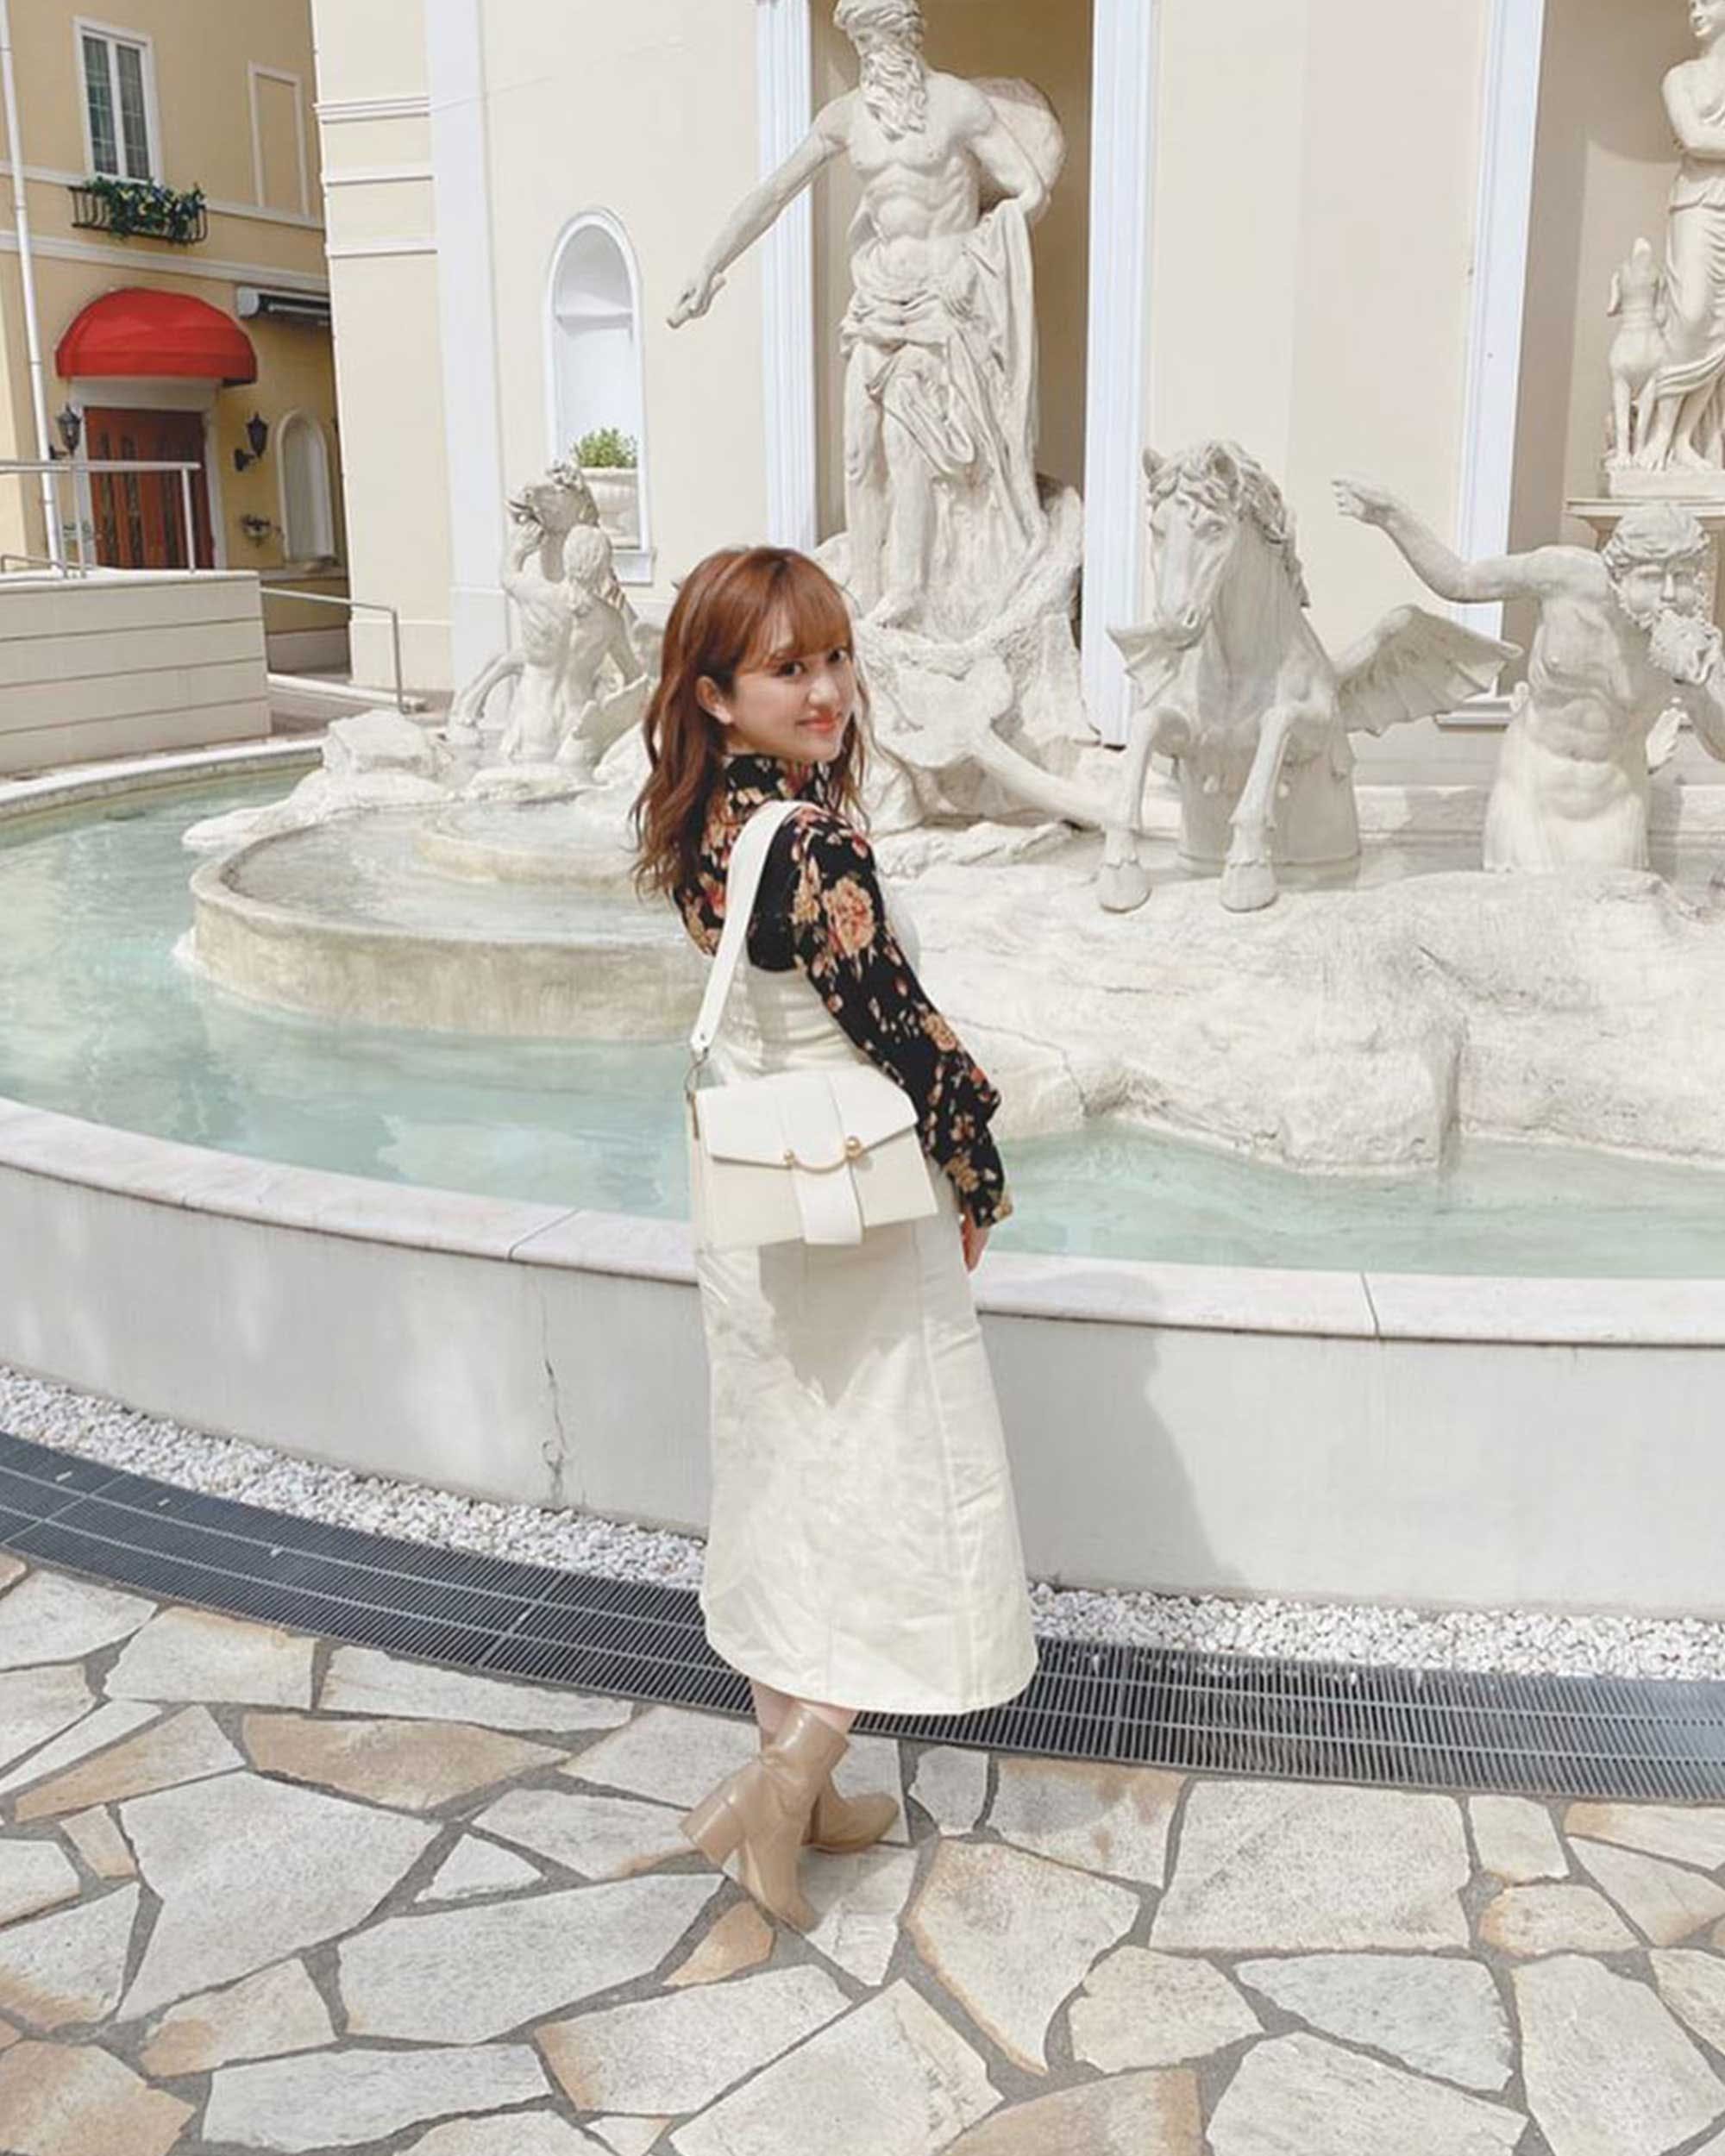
{"points": [[619, 496]]}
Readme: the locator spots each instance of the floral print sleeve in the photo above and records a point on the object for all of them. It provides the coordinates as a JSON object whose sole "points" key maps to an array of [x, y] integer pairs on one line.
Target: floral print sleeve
{"points": [[819, 907], [821, 882]]}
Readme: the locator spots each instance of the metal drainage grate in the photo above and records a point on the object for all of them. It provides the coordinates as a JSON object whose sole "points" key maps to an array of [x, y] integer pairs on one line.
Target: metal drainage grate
{"points": [[1142, 1706]]}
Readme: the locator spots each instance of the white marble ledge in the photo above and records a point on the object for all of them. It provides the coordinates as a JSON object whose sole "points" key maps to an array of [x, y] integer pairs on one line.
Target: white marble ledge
{"points": [[39, 1143], [160, 1171], [628, 1243], [72, 783], [1194, 1298], [1549, 1312]]}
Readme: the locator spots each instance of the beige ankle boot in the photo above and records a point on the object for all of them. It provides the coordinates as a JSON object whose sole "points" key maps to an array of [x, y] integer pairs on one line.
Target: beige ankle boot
{"points": [[761, 1810], [842, 1824]]}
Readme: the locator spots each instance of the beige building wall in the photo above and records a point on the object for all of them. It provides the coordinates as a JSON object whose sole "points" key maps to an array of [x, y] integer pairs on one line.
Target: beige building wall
{"points": [[648, 112], [374, 123], [1050, 45], [214, 72], [1316, 176], [1603, 165]]}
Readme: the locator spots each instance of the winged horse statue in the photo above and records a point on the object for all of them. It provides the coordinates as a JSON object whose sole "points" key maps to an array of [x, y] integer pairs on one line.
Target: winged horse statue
{"points": [[1230, 681]]}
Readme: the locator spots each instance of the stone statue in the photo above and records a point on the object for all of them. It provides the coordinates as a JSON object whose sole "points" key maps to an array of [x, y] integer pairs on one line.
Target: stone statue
{"points": [[1623, 650], [1231, 681], [1638, 303], [944, 515], [1682, 434], [544, 514], [571, 627]]}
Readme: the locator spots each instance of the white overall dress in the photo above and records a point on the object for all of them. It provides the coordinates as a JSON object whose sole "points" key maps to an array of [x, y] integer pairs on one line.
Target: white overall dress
{"points": [[863, 1548]]}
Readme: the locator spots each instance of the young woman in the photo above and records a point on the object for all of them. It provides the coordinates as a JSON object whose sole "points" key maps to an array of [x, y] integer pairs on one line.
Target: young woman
{"points": [[864, 1549]]}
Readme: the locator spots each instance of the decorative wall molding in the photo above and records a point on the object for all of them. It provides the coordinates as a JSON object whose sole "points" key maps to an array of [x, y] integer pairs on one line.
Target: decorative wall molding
{"points": [[52, 176], [368, 250], [333, 111], [467, 310], [221, 273], [1123, 103], [785, 75], [255, 72], [1508, 126], [375, 175]]}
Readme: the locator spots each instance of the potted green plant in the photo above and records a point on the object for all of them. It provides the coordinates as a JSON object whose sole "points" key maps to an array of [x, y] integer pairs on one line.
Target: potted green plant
{"points": [[126, 207], [607, 458]]}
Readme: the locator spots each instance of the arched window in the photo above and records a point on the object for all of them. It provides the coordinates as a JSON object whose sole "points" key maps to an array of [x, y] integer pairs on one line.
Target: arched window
{"points": [[308, 516], [593, 376]]}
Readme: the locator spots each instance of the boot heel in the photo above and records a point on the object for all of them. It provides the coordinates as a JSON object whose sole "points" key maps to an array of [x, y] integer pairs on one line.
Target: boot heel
{"points": [[714, 1826]]}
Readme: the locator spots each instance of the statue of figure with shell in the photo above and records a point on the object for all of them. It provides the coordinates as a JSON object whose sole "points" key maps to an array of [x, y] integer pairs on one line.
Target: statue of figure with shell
{"points": [[1233, 682], [580, 663]]}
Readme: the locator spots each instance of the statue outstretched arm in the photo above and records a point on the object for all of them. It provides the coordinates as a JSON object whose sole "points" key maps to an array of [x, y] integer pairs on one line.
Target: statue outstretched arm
{"points": [[759, 210], [1442, 569]]}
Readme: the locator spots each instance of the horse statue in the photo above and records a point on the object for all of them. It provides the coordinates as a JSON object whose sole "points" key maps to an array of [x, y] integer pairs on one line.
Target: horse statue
{"points": [[1231, 681]]}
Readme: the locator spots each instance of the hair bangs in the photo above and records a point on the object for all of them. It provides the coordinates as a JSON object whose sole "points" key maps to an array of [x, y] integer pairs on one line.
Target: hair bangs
{"points": [[806, 614]]}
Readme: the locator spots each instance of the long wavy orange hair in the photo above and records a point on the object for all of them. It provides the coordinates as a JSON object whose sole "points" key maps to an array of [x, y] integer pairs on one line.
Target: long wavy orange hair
{"points": [[742, 608]]}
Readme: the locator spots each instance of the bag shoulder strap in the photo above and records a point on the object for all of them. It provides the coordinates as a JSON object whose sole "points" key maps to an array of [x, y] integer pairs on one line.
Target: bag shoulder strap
{"points": [[742, 882]]}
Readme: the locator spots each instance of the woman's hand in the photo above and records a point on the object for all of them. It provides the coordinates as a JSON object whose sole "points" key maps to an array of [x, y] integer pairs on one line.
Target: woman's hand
{"points": [[975, 1241]]}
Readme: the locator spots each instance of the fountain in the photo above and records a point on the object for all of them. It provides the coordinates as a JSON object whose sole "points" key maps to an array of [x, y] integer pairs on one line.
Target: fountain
{"points": [[385, 1164]]}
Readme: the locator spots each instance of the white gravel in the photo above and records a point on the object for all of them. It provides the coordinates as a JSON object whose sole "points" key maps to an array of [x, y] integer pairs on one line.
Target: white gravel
{"points": [[1527, 1641]]}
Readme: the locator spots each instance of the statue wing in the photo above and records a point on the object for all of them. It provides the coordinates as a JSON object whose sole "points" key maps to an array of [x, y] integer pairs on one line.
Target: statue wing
{"points": [[1414, 665], [1151, 661], [1032, 121]]}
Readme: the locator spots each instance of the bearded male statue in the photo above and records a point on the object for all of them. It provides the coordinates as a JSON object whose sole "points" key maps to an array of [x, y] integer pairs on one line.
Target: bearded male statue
{"points": [[1623, 652], [946, 520]]}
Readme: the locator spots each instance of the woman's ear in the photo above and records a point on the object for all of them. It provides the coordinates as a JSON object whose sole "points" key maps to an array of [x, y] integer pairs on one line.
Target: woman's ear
{"points": [[707, 696]]}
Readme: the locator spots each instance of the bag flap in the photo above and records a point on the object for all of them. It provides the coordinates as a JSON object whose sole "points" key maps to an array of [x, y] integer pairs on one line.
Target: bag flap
{"points": [[871, 1106], [811, 1111]]}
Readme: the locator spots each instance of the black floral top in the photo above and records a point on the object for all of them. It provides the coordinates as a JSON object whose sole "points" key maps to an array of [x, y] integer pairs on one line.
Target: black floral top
{"points": [[821, 908]]}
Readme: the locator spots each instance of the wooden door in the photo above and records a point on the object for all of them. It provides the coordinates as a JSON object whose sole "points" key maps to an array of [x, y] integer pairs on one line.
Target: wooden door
{"points": [[140, 516]]}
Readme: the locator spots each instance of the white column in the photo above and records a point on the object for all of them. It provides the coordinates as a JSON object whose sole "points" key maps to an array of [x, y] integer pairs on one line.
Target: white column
{"points": [[1122, 108], [466, 309], [1509, 122], [784, 59]]}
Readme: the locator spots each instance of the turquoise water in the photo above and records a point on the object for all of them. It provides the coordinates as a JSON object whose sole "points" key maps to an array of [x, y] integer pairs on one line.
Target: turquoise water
{"points": [[98, 1020]]}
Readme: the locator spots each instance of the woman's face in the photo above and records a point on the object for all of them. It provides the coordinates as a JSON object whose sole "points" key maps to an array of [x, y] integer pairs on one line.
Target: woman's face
{"points": [[800, 706]]}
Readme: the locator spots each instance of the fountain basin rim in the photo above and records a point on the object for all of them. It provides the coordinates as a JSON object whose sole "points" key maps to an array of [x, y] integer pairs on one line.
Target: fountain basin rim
{"points": [[70, 786], [1528, 1310], [211, 888]]}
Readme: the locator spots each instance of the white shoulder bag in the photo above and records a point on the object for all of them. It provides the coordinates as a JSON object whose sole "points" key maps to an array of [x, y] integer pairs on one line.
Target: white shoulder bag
{"points": [[813, 1155]]}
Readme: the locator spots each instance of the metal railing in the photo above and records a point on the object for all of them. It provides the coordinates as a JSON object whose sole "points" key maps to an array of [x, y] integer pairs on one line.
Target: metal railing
{"points": [[77, 468], [53, 468], [367, 605]]}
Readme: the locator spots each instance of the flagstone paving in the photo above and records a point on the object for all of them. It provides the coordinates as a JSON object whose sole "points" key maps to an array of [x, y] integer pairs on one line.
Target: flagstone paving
{"points": [[260, 1891]]}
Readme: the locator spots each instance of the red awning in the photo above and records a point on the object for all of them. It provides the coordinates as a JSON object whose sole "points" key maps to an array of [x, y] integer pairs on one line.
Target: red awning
{"points": [[143, 332]]}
